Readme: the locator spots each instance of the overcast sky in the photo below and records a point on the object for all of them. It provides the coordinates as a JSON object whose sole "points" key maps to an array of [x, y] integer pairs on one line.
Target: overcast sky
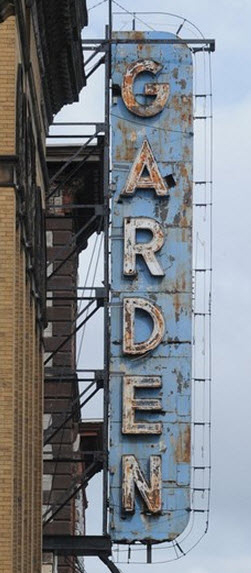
{"points": [[227, 546]]}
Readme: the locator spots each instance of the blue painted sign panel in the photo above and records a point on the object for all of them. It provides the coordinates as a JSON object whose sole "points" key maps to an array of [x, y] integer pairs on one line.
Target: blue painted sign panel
{"points": [[151, 286]]}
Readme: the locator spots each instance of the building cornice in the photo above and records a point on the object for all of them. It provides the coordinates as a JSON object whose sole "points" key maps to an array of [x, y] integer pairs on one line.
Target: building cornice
{"points": [[6, 9], [57, 27]]}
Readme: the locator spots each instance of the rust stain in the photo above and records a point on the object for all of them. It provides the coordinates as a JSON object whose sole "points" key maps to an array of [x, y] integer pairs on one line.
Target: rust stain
{"points": [[163, 210], [188, 196], [183, 446], [177, 306], [180, 381], [146, 155], [183, 221], [154, 180], [137, 35], [182, 104], [127, 329], [180, 283], [129, 345], [126, 150], [183, 281], [187, 201], [183, 171], [131, 404], [154, 495], [159, 90], [182, 84], [132, 248], [175, 103], [155, 501], [145, 49], [133, 475]]}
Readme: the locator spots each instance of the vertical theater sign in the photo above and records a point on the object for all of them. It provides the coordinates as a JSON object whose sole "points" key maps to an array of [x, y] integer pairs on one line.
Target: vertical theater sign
{"points": [[151, 288]]}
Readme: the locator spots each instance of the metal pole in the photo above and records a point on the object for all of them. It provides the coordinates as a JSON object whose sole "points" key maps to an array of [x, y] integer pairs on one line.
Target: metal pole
{"points": [[149, 553], [106, 262], [110, 20]]}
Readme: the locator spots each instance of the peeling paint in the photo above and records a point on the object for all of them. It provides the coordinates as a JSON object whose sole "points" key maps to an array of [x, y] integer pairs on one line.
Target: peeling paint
{"points": [[130, 305], [151, 290], [183, 445], [145, 160], [160, 91], [133, 476]]}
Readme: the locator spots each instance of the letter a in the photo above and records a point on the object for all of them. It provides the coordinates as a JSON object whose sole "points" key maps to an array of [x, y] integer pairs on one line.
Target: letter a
{"points": [[154, 180]]}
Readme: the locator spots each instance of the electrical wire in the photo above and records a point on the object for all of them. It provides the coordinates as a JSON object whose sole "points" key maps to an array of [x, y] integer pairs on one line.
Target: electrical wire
{"points": [[87, 274], [173, 15], [93, 281], [134, 15], [96, 5], [153, 127]]}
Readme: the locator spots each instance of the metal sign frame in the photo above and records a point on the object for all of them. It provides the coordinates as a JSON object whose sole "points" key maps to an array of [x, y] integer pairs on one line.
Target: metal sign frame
{"points": [[151, 288]]}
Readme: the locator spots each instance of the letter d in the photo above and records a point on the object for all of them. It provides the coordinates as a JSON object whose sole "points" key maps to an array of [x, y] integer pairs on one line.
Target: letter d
{"points": [[129, 344]]}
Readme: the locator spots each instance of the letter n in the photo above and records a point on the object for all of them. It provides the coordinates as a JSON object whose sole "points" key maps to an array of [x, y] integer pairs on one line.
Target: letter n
{"points": [[133, 476]]}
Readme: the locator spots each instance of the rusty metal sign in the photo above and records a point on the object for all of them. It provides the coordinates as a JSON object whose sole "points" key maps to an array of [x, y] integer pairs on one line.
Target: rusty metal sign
{"points": [[151, 289]]}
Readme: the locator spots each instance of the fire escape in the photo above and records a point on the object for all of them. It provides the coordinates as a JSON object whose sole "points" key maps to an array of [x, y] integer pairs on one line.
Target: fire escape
{"points": [[73, 449]]}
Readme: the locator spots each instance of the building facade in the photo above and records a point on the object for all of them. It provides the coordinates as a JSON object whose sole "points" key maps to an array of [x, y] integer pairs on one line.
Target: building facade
{"points": [[76, 182], [41, 69]]}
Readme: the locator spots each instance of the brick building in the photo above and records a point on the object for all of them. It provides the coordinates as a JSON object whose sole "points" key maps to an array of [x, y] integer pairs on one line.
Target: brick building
{"points": [[41, 69], [69, 224]]}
